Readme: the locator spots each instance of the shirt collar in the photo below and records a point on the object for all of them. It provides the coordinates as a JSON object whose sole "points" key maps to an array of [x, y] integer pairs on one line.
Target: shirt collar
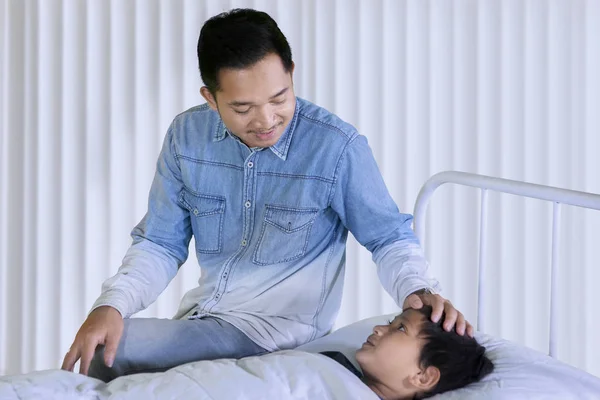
{"points": [[220, 130], [281, 148]]}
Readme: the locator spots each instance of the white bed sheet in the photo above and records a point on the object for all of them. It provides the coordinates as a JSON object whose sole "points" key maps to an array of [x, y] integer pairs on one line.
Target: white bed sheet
{"points": [[520, 372], [293, 375]]}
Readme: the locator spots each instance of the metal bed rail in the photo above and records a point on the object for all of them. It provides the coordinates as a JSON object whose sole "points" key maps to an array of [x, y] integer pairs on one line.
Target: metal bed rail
{"points": [[557, 196]]}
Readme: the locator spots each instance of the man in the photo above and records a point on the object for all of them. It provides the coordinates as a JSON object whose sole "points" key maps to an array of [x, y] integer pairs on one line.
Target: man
{"points": [[269, 185]]}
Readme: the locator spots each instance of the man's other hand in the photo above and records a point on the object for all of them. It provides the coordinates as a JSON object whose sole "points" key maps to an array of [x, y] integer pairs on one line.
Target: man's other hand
{"points": [[104, 326]]}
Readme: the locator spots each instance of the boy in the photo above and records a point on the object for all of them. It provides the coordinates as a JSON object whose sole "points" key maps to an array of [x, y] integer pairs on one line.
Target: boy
{"points": [[415, 358]]}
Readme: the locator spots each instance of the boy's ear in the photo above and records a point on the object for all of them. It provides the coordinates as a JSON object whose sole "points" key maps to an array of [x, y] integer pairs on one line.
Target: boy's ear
{"points": [[210, 99], [426, 379]]}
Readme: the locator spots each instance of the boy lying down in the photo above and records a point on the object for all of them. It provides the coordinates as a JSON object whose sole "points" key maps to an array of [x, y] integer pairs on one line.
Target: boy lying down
{"points": [[411, 358], [415, 358]]}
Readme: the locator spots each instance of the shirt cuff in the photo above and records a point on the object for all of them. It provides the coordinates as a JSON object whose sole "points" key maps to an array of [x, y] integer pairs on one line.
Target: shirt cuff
{"points": [[115, 299], [411, 285], [403, 269]]}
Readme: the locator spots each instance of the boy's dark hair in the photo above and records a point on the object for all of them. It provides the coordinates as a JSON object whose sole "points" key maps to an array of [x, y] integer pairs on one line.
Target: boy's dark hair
{"points": [[239, 39], [460, 359]]}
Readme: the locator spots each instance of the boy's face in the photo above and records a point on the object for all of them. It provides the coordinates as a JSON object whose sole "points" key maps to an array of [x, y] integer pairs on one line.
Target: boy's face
{"points": [[391, 354], [255, 103]]}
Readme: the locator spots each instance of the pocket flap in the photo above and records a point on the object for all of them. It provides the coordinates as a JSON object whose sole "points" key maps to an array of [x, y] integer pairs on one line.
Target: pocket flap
{"points": [[202, 205], [290, 219]]}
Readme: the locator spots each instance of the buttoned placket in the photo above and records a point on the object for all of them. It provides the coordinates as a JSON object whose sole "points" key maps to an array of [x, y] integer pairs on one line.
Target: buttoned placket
{"points": [[249, 197], [248, 212]]}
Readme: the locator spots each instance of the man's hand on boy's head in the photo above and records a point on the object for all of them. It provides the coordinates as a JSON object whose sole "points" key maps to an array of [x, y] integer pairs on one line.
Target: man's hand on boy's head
{"points": [[439, 305]]}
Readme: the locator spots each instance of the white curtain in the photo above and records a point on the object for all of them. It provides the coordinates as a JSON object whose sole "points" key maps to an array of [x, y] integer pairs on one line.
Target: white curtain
{"points": [[507, 88]]}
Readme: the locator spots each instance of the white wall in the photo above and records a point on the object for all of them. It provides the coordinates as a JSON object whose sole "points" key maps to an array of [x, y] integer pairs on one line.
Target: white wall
{"points": [[506, 88]]}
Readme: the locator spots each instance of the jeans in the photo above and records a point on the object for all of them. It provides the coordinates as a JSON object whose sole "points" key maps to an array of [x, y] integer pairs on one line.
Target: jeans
{"points": [[155, 345]]}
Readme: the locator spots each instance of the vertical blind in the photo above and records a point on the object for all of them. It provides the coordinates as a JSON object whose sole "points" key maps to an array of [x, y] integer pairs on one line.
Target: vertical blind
{"points": [[507, 88]]}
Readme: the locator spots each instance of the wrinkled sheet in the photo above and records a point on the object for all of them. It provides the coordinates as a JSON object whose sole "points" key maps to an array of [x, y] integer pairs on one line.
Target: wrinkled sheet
{"points": [[282, 375]]}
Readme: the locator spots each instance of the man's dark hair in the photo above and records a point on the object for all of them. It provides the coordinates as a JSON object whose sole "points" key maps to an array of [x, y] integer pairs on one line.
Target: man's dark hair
{"points": [[460, 359], [239, 39]]}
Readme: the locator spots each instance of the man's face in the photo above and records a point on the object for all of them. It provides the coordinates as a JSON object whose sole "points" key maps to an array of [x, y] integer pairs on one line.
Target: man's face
{"points": [[256, 103], [391, 353]]}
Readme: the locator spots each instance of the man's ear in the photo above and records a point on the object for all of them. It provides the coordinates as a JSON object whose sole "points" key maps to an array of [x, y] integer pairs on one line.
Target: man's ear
{"points": [[426, 379], [208, 96]]}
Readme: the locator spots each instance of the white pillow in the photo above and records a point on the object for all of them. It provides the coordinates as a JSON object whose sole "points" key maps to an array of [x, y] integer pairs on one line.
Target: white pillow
{"points": [[519, 372]]}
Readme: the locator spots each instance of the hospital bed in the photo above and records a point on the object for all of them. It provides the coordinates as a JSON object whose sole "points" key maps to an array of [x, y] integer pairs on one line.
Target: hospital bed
{"points": [[520, 372]]}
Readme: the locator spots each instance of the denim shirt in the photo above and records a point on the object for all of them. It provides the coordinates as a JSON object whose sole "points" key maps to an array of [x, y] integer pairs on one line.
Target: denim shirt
{"points": [[270, 227]]}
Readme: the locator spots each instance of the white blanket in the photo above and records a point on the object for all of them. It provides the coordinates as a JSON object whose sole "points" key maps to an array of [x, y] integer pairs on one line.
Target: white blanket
{"points": [[282, 375]]}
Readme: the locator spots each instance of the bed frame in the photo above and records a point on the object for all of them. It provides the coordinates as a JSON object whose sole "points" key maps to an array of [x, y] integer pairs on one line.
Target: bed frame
{"points": [[555, 195]]}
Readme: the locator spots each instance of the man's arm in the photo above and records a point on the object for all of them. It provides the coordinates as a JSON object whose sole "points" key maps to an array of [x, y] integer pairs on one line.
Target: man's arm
{"points": [[160, 242], [160, 247], [366, 208], [402, 267]]}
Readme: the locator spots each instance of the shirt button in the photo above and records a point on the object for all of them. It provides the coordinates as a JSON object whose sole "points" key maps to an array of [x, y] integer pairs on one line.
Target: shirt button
{"points": [[250, 164], [217, 296], [244, 242], [196, 212], [247, 204]]}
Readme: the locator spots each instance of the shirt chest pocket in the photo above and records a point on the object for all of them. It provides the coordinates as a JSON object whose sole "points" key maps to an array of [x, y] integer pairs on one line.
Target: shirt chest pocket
{"points": [[206, 214], [284, 234]]}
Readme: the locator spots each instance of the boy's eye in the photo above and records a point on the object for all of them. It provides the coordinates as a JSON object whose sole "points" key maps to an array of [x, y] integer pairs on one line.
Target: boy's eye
{"points": [[242, 112], [401, 327]]}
